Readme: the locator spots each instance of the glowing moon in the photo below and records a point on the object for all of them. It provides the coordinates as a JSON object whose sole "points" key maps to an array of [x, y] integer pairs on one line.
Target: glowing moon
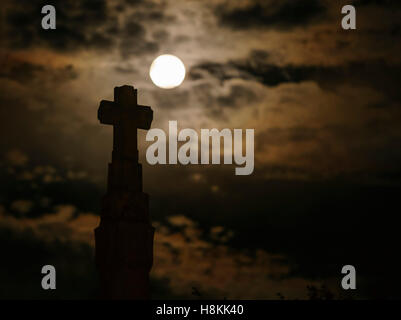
{"points": [[167, 71]]}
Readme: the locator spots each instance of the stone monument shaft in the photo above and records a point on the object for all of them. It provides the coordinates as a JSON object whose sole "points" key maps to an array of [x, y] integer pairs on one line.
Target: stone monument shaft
{"points": [[124, 238]]}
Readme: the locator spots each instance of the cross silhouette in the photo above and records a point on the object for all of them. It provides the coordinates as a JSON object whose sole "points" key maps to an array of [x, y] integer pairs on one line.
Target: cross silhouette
{"points": [[124, 238], [126, 116]]}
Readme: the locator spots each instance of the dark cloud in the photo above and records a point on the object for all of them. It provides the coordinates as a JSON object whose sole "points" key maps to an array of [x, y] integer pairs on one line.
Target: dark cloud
{"points": [[26, 72], [46, 187], [134, 42], [220, 71], [239, 96], [160, 35], [128, 48], [80, 24], [218, 103], [255, 67], [85, 24], [155, 14], [134, 38], [134, 29], [271, 14], [377, 74]]}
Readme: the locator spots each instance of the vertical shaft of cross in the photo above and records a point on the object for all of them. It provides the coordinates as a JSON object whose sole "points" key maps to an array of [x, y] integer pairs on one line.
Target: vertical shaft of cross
{"points": [[125, 144], [124, 238]]}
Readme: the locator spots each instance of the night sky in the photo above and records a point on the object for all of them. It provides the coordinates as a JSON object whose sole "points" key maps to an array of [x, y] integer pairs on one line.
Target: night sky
{"points": [[325, 106]]}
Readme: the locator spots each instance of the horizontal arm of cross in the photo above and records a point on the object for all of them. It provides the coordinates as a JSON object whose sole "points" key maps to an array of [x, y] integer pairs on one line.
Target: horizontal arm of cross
{"points": [[112, 113]]}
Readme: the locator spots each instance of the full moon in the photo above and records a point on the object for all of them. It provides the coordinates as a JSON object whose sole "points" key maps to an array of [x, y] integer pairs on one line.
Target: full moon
{"points": [[167, 71]]}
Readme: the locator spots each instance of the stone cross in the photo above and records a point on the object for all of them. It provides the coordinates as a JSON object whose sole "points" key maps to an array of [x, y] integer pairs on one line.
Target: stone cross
{"points": [[126, 116], [124, 238]]}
